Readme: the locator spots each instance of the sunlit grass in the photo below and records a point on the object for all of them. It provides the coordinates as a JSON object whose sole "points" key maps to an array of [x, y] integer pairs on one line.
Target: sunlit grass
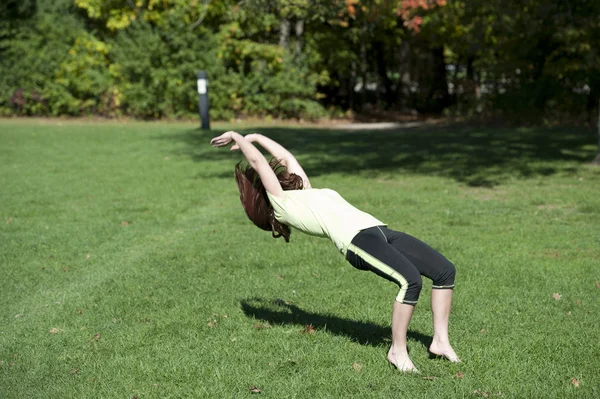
{"points": [[128, 267]]}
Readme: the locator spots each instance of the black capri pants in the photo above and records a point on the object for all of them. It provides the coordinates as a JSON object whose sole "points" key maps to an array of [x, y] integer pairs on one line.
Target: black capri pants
{"points": [[402, 259]]}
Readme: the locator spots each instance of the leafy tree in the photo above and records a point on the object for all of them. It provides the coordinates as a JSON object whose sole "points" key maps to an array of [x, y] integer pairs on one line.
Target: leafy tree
{"points": [[37, 42], [520, 59]]}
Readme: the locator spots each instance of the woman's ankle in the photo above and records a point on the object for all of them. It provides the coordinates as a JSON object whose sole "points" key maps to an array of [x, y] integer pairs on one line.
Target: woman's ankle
{"points": [[441, 340], [398, 350]]}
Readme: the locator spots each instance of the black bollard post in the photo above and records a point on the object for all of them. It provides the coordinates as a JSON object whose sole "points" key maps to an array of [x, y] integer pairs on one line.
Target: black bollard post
{"points": [[203, 104]]}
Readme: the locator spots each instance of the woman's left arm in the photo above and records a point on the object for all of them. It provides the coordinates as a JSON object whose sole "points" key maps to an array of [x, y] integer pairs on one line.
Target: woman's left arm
{"points": [[280, 152], [286, 158], [254, 157]]}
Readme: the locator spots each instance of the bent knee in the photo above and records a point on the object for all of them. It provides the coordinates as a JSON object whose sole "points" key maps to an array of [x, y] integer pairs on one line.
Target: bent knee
{"points": [[415, 285], [410, 291], [445, 276]]}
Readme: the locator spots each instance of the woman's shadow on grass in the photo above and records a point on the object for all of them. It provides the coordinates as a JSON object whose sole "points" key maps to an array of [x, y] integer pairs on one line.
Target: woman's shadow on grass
{"points": [[278, 311]]}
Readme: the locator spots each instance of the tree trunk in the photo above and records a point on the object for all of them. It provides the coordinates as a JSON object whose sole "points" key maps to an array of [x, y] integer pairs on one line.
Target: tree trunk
{"points": [[299, 32], [350, 84], [284, 33], [472, 87], [438, 97], [596, 160], [386, 82], [363, 66], [593, 106], [404, 62]]}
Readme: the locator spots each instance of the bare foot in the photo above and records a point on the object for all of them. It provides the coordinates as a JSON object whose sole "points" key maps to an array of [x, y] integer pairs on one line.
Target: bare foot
{"points": [[444, 350], [401, 361]]}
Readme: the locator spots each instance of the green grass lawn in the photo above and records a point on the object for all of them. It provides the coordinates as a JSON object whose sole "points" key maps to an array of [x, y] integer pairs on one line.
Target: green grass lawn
{"points": [[129, 269]]}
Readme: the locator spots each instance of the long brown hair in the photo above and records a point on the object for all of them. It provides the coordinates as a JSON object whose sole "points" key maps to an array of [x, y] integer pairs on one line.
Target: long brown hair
{"points": [[254, 196]]}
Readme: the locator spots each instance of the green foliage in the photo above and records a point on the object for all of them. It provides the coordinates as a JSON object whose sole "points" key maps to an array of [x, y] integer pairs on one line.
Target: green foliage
{"points": [[537, 59], [86, 76], [156, 71], [296, 59], [143, 63], [147, 75], [30, 59], [52, 66]]}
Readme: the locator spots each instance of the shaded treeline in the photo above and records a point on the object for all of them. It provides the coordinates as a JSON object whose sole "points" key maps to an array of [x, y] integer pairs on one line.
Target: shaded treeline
{"points": [[303, 58]]}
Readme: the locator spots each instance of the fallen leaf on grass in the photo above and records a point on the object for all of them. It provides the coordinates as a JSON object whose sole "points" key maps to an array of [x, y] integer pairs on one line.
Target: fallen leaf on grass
{"points": [[356, 367], [429, 378], [55, 330], [74, 371], [124, 223], [482, 330], [260, 326], [578, 302], [481, 393], [65, 269], [460, 375], [255, 389], [556, 296], [212, 324], [309, 329], [280, 277], [575, 382], [597, 284], [9, 221], [18, 316], [96, 337]]}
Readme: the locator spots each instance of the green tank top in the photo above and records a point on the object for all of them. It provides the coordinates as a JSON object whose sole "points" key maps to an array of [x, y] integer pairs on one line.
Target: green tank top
{"points": [[322, 213]]}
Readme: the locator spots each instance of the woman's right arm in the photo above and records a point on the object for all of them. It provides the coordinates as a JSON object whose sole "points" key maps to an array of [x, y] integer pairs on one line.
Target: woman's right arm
{"points": [[254, 158], [281, 153]]}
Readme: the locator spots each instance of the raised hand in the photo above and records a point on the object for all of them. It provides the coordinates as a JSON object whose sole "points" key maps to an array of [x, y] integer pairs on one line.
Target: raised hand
{"points": [[249, 137], [223, 140]]}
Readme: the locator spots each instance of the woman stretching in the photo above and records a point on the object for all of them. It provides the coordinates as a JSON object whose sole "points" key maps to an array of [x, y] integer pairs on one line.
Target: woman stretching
{"points": [[277, 195]]}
